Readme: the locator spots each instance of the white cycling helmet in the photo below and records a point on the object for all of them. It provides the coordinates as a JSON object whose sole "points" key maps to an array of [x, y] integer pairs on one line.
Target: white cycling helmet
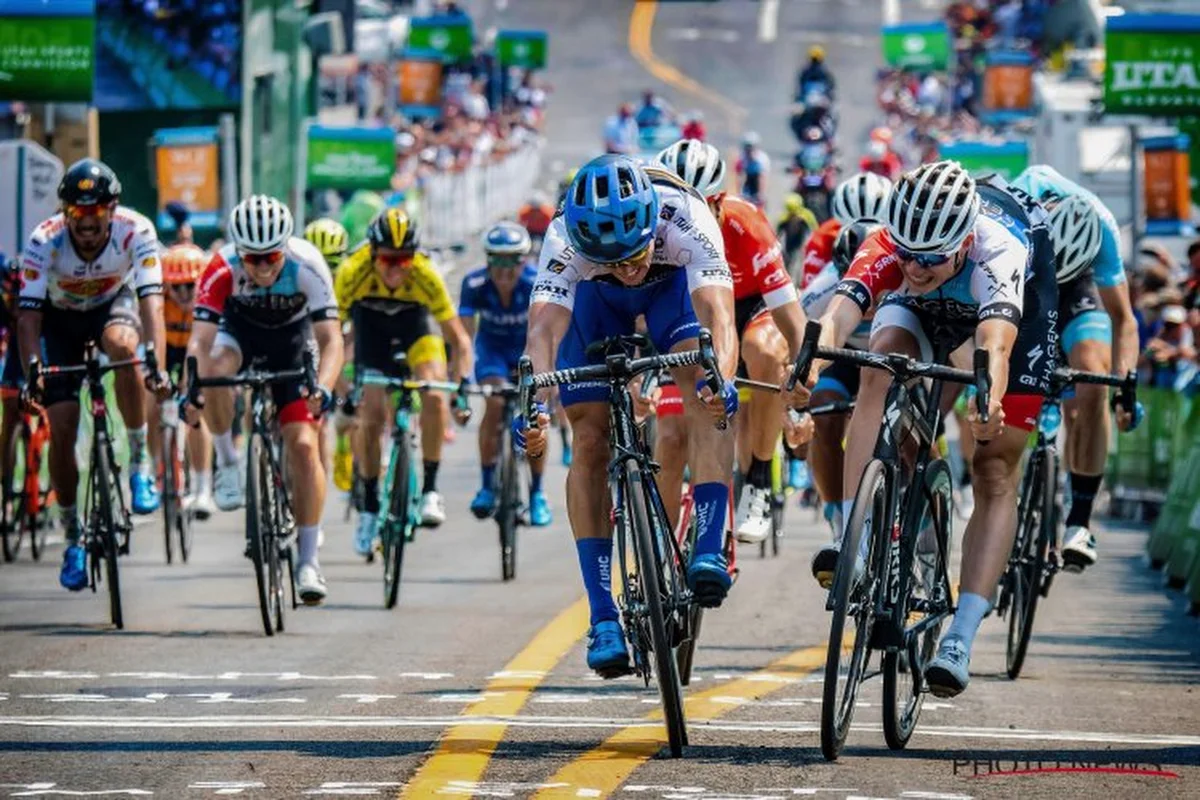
{"points": [[1075, 235], [862, 197], [932, 208], [260, 224], [696, 162]]}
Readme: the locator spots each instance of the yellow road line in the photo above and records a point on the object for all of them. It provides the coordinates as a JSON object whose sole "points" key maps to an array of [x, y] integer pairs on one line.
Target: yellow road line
{"points": [[606, 767], [641, 22], [465, 750]]}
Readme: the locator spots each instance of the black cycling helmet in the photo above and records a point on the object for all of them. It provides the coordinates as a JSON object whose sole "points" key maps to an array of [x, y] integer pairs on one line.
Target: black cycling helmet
{"points": [[395, 230], [847, 243], [89, 182]]}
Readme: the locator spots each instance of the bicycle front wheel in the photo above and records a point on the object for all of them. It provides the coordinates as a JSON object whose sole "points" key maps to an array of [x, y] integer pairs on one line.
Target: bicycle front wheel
{"points": [[170, 489], [1028, 562], [853, 601], [506, 514], [658, 596], [183, 523], [257, 525], [15, 503], [105, 520], [394, 531]]}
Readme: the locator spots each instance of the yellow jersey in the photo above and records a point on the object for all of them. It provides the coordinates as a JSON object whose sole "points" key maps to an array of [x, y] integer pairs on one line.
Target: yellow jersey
{"points": [[357, 281]]}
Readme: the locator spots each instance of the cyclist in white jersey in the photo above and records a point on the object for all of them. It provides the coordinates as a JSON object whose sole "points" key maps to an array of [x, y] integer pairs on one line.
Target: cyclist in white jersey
{"points": [[92, 273]]}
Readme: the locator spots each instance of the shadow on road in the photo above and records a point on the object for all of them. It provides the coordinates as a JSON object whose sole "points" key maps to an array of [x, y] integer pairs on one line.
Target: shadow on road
{"points": [[342, 748]]}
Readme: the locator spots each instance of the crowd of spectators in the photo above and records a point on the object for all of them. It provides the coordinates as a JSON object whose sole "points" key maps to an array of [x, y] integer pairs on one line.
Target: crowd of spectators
{"points": [[1166, 300]]}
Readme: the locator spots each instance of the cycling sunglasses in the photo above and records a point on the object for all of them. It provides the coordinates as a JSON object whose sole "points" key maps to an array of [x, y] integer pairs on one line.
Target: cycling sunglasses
{"points": [[398, 258], [91, 210], [924, 260], [638, 259], [271, 259], [505, 260]]}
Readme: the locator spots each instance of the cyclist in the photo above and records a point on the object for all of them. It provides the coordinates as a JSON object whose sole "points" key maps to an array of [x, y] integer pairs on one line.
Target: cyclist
{"points": [[535, 215], [752, 168], [92, 273], [263, 300], [796, 224], [498, 295], [1099, 332], [182, 266], [770, 327], [633, 240], [859, 197], [391, 292], [957, 265], [12, 378], [815, 76]]}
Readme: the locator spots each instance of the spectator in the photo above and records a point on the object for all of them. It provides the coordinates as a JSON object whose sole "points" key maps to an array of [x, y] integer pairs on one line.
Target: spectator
{"points": [[1171, 347], [621, 132], [693, 127], [752, 168], [654, 111], [474, 102], [1191, 286]]}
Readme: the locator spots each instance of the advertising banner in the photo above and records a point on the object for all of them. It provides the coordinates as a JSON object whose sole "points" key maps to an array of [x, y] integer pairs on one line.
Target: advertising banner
{"points": [[419, 76], [525, 49], [1167, 192], [350, 158], [29, 177], [47, 50], [187, 170], [1152, 64], [1007, 87], [451, 36], [919, 45], [1005, 158]]}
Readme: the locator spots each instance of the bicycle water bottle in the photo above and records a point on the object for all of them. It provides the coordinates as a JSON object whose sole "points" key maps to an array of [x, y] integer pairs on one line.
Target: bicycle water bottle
{"points": [[1051, 420], [343, 463]]}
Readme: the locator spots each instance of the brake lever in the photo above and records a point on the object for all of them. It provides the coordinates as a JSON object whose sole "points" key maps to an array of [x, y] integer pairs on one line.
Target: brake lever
{"points": [[808, 353], [525, 385], [712, 371], [983, 386]]}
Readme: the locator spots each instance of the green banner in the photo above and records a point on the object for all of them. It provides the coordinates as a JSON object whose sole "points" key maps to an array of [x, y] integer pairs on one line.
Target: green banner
{"points": [[350, 158], [1152, 64], [449, 35], [1007, 159], [521, 49], [919, 45], [47, 59]]}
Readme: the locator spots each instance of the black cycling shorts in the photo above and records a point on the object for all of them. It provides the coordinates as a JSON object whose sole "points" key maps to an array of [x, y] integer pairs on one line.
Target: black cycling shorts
{"points": [[379, 335], [272, 350], [66, 332]]}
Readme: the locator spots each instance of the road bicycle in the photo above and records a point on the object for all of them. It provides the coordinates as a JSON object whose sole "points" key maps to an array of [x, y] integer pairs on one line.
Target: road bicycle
{"points": [[270, 524], [176, 474], [1034, 560], [892, 583], [27, 492], [656, 604], [107, 524], [510, 510]]}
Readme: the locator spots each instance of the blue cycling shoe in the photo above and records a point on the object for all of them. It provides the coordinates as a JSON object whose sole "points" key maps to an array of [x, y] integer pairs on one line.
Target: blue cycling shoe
{"points": [[566, 455], [708, 578], [73, 574], [539, 510], [484, 504], [143, 492], [607, 653]]}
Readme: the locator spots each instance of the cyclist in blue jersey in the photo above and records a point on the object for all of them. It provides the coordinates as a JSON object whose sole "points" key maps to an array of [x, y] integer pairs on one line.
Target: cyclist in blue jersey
{"points": [[496, 299], [1099, 332]]}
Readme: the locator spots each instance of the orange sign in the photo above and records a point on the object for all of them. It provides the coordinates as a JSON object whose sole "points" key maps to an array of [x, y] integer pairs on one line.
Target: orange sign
{"points": [[187, 173], [1167, 189], [1008, 87], [420, 82]]}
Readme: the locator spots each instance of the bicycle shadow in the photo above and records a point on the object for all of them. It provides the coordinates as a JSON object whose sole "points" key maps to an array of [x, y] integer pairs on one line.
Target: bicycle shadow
{"points": [[106, 629]]}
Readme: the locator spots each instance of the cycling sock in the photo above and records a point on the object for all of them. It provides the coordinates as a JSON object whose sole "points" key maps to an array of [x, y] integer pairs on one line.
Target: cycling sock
{"points": [[199, 481], [137, 445], [595, 562], [711, 510], [68, 516], [759, 474], [371, 495], [307, 537], [431, 471], [226, 450], [1083, 493], [488, 473], [968, 616], [535, 482]]}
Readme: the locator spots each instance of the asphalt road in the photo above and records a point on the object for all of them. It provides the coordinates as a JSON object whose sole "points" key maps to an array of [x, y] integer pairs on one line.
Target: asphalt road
{"points": [[473, 687]]}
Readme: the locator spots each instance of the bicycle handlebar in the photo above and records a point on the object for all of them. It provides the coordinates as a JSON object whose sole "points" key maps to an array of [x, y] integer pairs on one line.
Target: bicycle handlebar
{"points": [[1126, 385], [253, 378]]}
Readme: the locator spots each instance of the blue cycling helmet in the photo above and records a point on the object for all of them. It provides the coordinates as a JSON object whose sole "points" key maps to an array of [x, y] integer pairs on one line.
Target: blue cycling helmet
{"points": [[610, 209], [508, 239]]}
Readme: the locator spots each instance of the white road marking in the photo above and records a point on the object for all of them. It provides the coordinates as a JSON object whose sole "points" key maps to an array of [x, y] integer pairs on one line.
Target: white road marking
{"points": [[48, 790], [495, 788], [710, 34], [529, 674], [589, 793], [227, 787], [367, 698], [267, 721], [352, 788], [157, 697], [427, 676], [768, 20], [818, 37], [54, 674]]}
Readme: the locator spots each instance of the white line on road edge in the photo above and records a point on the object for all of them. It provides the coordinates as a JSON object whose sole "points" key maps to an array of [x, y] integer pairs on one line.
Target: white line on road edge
{"points": [[233, 721], [768, 20]]}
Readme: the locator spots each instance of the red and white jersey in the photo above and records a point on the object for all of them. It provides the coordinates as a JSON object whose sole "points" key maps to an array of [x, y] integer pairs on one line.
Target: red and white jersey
{"points": [[754, 254], [818, 250], [53, 273], [303, 288]]}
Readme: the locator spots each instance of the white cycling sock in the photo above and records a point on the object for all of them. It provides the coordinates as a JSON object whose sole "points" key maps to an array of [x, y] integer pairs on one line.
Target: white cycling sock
{"points": [[226, 451], [306, 543], [137, 445], [968, 617]]}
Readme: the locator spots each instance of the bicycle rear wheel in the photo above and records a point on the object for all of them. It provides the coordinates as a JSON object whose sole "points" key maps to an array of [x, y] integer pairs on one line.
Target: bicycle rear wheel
{"points": [[854, 601], [13, 529], [105, 521], [257, 524], [394, 531], [658, 604], [685, 655], [1028, 565], [506, 514], [170, 492], [37, 514], [183, 525], [903, 670]]}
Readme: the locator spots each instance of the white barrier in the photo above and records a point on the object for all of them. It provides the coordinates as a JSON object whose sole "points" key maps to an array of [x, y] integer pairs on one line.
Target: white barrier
{"points": [[456, 206]]}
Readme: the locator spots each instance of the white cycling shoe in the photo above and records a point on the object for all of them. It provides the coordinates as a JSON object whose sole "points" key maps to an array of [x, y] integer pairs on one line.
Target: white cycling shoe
{"points": [[228, 492], [432, 510], [1079, 549], [753, 523], [200, 505], [310, 585]]}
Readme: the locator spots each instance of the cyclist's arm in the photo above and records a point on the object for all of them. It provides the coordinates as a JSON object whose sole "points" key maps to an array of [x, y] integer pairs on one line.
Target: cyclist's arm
{"points": [[150, 309], [548, 323], [1125, 329], [328, 333], [200, 343], [714, 310], [468, 324], [840, 320], [997, 336], [460, 345], [29, 332]]}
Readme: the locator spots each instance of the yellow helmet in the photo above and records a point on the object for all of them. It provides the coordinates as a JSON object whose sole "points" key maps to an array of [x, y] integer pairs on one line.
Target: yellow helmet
{"points": [[330, 237], [394, 229], [816, 52], [793, 203]]}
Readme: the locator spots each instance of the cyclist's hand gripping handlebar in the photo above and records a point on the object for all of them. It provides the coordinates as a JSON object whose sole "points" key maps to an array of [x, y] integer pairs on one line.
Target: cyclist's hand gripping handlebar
{"points": [[983, 386], [713, 380]]}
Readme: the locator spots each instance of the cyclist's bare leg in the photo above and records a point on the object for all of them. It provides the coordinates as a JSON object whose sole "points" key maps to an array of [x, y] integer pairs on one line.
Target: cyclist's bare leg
{"points": [[588, 501], [372, 419], [671, 453], [765, 352], [10, 415], [993, 525], [1087, 416], [307, 475], [825, 455], [222, 362], [742, 438], [199, 447], [120, 342], [489, 426], [64, 471], [435, 410]]}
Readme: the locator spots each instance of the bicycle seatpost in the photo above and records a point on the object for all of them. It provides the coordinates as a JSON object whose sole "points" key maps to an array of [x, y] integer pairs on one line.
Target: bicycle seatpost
{"points": [[983, 386], [808, 353]]}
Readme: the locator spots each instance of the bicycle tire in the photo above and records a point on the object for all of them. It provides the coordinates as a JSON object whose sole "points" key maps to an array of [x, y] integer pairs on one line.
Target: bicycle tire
{"points": [[506, 514], [103, 497], [837, 708], [394, 531], [170, 497], [1033, 538], [900, 718], [256, 521], [685, 654], [184, 527], [13, 529], [39, 522], [650, 571]]}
